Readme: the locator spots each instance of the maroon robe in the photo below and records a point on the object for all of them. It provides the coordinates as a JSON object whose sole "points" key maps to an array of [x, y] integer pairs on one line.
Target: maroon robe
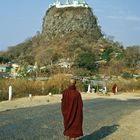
{"points": [[72, 111], [114, 88]]}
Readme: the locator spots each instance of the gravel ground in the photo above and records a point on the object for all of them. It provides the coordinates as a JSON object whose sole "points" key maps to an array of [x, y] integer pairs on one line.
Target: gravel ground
{"points": [[101, 120]]}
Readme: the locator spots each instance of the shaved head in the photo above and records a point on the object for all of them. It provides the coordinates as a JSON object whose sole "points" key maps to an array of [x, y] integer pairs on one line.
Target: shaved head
{"points": [[72, 81]]}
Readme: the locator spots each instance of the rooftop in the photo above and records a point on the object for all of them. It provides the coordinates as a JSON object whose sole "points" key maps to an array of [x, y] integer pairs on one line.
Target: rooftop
{"points": [[74, 3]]}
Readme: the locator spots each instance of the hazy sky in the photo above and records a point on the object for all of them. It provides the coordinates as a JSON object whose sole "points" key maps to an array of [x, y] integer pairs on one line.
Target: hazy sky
{"points": [[21, 19]]}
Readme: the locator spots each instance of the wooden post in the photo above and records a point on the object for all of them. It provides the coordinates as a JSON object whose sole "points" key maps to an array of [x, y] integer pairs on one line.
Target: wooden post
{"points": [[89, 89], [10, 93]]}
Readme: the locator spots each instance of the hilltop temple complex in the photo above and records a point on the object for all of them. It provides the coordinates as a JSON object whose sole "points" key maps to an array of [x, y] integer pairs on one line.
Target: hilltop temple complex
{"points": [[68, 3]]}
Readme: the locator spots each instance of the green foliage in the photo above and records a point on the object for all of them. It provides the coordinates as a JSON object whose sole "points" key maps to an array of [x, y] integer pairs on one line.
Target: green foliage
{"points": [[132, 56], [127, 75], [86, 59], [4, 60], [107, 54], [53, 90], [120, 56]]}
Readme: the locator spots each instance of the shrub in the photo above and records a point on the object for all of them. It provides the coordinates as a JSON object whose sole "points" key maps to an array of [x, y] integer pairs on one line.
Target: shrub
{"points": [[53, 90], [125, 85], [57, 82], [127, 75], [21, 88]]}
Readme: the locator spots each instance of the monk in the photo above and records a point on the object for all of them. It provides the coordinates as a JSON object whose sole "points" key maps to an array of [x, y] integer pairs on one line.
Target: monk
{"points": [[72, 111], [114, 88]]}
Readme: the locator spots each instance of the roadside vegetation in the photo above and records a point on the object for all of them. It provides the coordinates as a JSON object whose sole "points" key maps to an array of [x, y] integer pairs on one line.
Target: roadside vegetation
{"points": [[56, 84]]}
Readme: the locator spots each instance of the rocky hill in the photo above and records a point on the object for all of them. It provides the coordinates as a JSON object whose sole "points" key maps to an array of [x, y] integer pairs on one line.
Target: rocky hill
{"points": [[58, 22], [66, 32], [73, 34]]}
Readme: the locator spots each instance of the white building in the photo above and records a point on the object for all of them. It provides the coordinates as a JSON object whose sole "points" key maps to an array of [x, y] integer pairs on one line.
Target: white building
{"points": [[68, 3]]}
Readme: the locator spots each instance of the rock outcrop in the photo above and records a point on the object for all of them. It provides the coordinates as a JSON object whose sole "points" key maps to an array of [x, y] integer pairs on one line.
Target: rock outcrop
{"points": [[58, 22]]}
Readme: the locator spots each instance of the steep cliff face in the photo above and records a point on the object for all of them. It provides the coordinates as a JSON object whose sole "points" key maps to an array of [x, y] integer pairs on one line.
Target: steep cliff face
{"points": [[58, 22]]}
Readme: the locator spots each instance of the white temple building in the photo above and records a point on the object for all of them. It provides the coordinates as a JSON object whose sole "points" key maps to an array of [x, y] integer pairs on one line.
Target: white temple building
{"points": [[68, 3]]}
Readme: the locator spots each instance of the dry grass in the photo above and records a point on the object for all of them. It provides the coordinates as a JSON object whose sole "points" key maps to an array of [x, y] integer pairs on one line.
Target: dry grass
{"points": [[22, 88], [125, 85], [55, 85]]}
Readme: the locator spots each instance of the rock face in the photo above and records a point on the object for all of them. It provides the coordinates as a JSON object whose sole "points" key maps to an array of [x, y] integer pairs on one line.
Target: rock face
{"points": [[58, 22]]}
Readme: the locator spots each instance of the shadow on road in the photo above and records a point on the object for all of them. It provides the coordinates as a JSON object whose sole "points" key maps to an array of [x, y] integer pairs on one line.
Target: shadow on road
{"points": [[101, 133]]}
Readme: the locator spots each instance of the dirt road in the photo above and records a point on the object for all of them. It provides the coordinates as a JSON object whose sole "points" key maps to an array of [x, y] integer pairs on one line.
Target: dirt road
{"points": [[104, 119]]}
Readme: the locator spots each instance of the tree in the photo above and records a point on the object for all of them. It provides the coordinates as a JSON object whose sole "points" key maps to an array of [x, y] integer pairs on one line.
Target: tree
{"points": [[86, 59], [48, 56], [132, 56], [107, 54], [27, 59], [4, 60]]}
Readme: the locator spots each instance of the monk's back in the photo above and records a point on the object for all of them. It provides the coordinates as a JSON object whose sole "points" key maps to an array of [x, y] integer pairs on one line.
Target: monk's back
{"points": [[72, 112], [71, 94]]}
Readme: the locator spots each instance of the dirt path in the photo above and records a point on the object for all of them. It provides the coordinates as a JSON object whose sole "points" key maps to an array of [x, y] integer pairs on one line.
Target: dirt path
{"points": [[45, 100], [129, 127], [39, 118]]}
